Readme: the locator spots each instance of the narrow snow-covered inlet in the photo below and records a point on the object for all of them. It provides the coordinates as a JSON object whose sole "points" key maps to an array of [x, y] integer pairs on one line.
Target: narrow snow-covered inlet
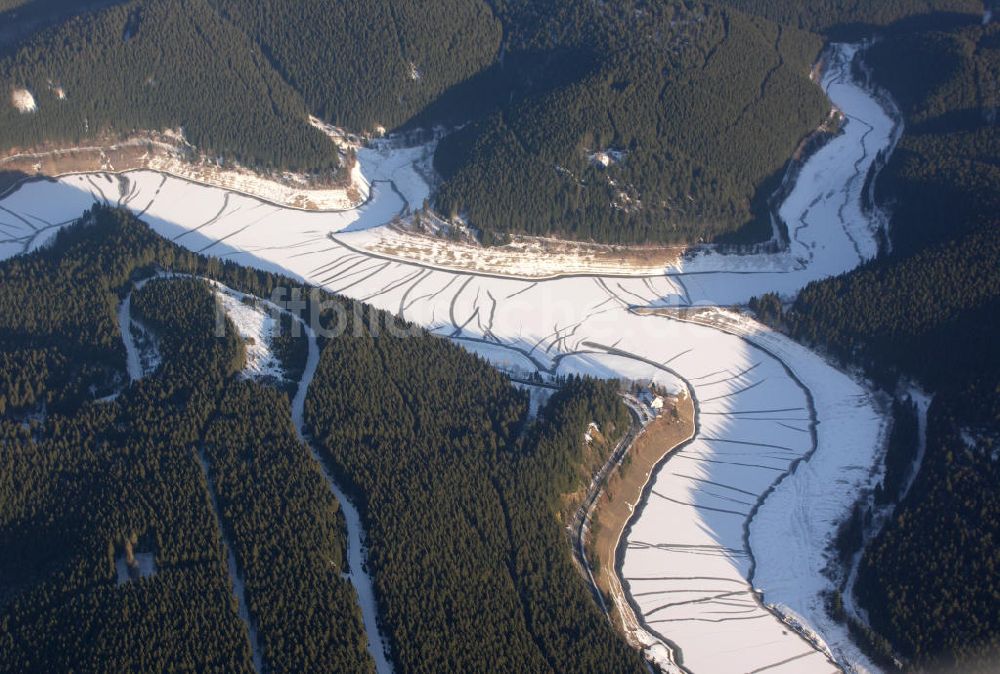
{"points": [[132, 362], [356, 553], [139, 362], [727, 553], [231, 302], [239, 588]]}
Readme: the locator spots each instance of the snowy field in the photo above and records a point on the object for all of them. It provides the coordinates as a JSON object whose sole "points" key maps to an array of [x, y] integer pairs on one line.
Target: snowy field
{"points": [[727, 553], [23, 100], [256, 325]]}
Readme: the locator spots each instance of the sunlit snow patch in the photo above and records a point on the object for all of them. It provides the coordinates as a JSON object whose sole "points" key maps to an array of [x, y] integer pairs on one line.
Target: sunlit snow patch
{"points": [[23, 100], [607, 157], [142, 351], [256, 327]]}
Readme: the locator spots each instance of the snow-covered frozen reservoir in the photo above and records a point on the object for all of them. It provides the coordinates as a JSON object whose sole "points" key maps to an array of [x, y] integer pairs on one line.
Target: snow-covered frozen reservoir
{"points": [[724, 558]]}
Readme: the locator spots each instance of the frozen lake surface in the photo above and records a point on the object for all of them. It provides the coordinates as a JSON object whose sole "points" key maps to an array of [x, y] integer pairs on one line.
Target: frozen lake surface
{"points": [[724, 561]]}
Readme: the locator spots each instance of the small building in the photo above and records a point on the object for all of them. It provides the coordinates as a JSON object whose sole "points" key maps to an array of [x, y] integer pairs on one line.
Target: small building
{"points": [[601, 159], [651, 399], [606, 158]]}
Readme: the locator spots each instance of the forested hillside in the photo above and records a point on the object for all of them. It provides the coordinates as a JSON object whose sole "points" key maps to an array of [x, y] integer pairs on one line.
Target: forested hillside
{"points": [[698, 107], [87, 483], [927, 311], [627, 122], [897, 315], [459, 490], [694, 107], [943, 179], [159, 64], [371, 63], [852, 17], [19, 18], [470, 562]]}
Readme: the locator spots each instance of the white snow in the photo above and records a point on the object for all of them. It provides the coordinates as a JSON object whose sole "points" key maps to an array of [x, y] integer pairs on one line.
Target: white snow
{"points": [[294, 193], [239, 587], [142, 355], [792, 530], [530, 258], [923, 402], [23, 100], [606, 158], [689, 563], [828, 230], [256, 326]]}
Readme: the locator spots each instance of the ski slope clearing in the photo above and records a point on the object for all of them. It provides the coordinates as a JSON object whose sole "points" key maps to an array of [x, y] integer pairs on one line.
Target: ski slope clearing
{"points": [[255, 318], [723, 563]]}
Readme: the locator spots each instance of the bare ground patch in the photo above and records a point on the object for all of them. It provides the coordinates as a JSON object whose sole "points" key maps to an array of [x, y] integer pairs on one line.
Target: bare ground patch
{"points": [[624, 487], [524, 256], [168, 152]]}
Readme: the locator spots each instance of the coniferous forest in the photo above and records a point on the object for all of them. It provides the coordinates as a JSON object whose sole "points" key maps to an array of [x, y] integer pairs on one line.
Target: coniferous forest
{"points": [[925, 311], [125, 506], [95, 471], [698, 106], [705, 104], [459, 489], [469, 559]]}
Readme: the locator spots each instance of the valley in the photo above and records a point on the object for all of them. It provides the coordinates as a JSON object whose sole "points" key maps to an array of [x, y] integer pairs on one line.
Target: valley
{"points": [[730, 543]]}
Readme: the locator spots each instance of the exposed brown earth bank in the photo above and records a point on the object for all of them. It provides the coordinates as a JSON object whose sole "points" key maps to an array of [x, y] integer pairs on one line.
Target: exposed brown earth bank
{"points": [[168, 152], [614, 507]]}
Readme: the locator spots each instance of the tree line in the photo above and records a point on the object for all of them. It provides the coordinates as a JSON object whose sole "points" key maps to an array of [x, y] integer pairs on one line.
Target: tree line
{"points": [[925, 310], [704, 105], [460, 492], [86, 479]]}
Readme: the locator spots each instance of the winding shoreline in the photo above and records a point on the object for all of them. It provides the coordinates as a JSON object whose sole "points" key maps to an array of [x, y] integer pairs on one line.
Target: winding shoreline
{"points": [[774, 485], [632, 626], [626, 603], [356, 552], [555, 325], [354, 546]]}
